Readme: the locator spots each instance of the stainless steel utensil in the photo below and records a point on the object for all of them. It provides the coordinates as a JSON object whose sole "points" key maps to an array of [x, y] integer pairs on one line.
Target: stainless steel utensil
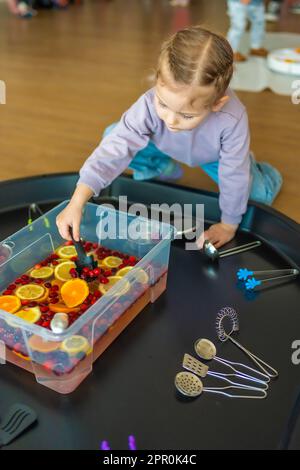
{"points": [[223, 336], [191, 386], [213, 253]]}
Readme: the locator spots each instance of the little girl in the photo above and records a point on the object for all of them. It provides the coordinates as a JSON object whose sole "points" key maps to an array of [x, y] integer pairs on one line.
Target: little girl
{"points": [[192, 116]]}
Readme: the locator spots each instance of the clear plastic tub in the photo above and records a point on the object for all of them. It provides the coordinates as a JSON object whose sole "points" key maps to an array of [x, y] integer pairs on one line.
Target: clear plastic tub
{"points": [[57, 369]]}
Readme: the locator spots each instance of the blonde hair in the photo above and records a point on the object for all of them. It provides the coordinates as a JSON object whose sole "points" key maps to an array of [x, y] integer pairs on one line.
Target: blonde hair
{"points": [[196, 56]]}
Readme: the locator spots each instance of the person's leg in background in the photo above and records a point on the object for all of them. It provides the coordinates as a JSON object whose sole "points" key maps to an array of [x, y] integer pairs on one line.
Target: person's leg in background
{"points": [[256, 14], [150, 163], [273, 10], [23, 9], [238, 21], [266, 180]]}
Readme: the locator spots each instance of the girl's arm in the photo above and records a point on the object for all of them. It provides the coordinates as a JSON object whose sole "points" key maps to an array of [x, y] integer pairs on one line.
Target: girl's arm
{"points": [[108, 161]]}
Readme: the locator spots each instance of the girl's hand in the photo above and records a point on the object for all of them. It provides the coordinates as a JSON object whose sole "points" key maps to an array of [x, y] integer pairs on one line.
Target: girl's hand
{"points": [[218, 235], [70, 216]]}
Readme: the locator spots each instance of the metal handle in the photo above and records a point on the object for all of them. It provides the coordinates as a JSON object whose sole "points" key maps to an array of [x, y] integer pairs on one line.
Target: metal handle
{"points": [[260, 396], [240, 249], [259, 362], [230, 364]]}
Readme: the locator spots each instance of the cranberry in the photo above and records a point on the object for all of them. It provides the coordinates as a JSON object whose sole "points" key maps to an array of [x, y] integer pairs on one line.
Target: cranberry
{"points": [[55, 263], [74, 274], [44, 263], [52, 294], [68, 243], [123, 265], [54, 288], [86, 270], [7, 292], [74, 258], [24, 283], [11, 287], [54, 256], [37, 266], [18, 281], [24, 302], [44, 309], [48, 285], [107, 273], [46, 324], [83, 276], [54, 300], [84, 307], [49, 365], [95, 246], [91, 274], [39, 281], [104, 280], [32, 304]]}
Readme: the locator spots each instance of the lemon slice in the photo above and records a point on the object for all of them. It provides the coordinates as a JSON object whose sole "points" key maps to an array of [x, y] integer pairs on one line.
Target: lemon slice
{"points": [[30, 291], [140, 275], [62, 271], [112, 262], [75, 344], [42, 273], [31, 315], [104, 288], [67, 252]]}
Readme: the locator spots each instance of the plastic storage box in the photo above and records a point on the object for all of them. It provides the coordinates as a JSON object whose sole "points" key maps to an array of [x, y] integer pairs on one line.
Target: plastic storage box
{"points": [[147, 240]]}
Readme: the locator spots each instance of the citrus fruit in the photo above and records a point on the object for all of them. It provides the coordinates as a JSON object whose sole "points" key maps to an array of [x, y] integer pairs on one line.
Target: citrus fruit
{"points": [[31, 315], [30, 291], [62, 271], [112, 262], [56, 282], [25, 358], [74, 292], [44, 297], [37, 343], [75, 344], [140, 275], [9, 303], [59, 307], [67, 252], [104, 288], [42, 273]]}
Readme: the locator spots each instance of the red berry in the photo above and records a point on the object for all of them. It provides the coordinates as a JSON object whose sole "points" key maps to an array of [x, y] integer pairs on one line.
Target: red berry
{"points": [[24, 302], [74, 258], [132, 259], [44, 309], [11, 287], [104, 280], [107, 273], [37, 266], [7, 292], [95, 246], [18, 281], [84, 307], [54, 300], [54, 288], [39, 281], [74, 274], [48, 285], [52, 294], [123, 265], [55, 263], [49, 365], [86, 270], [54, 256], [68, 243], [32, 304], [97, 294], [46, 324], [83, 276]]}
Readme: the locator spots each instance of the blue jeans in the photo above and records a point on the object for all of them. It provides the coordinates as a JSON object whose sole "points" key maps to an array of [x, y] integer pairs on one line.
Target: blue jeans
{"points": [[150, 163], [239, 13]]}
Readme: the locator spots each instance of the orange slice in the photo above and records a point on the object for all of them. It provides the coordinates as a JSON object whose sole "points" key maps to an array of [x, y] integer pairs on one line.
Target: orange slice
{"points": [[37, 343], [62, 271], [42, 273], [9, 303], [74, 292], [31, 315], [62, 308], [104, 288], [112, 262], [67, 252], [30, 291]]}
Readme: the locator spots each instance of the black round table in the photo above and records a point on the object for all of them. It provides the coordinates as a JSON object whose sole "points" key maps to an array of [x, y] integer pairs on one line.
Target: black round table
{"points": [[131, 389]]}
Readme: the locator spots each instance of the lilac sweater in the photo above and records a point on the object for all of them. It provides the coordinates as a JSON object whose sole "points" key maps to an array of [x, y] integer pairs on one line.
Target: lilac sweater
{"points": [[223, 137]]}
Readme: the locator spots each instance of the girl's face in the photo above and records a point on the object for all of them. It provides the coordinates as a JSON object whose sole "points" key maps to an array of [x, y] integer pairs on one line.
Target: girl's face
{"points": [[184, 107]]}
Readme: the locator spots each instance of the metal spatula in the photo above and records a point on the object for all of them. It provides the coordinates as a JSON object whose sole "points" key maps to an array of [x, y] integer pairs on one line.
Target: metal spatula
{"points": [[18, 418], [83, 260]]}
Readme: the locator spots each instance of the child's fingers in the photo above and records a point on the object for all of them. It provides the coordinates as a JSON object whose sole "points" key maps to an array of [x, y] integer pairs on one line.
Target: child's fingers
{"points": [[64, 230], [76, 231]]}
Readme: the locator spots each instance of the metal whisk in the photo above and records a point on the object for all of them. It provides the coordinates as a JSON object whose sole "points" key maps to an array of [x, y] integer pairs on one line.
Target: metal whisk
{"points": [[230, 314]]}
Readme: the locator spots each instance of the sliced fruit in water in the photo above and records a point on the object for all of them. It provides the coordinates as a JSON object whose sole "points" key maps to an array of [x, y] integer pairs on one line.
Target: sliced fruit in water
{"points": [[62, 271], [140, 275], [112, 262], [74, 292], [42, 273], [31, 315], [37, 343], [75, 344], [30, 291], [10, 303], [60, 307], [67, 252], [124, 288]]}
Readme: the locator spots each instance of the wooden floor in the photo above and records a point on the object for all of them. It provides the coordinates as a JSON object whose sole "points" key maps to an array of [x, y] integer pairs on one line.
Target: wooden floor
{"points": [[71, 73]]}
